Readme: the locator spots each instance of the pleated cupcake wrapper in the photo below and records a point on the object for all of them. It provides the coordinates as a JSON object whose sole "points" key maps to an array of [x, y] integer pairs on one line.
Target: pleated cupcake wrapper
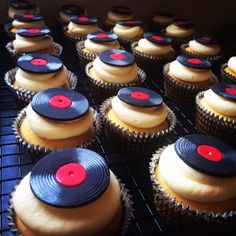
{"points": [[186, 218], [126, 202], [131, 142], [102, 90], [210, 123], [150, 62], [37, 151], [58, 50], [226, 77], [7, 28], [180, 92], [26, 95]]}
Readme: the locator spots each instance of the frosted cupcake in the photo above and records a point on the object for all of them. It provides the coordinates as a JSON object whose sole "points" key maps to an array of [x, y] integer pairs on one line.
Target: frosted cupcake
{"points": [[96, 43], [185, 77], [228, 71], [136, 120], [161, 20], [37, 72], [193, 185], [216, 112], [128, 32], [56, 118], [92, 195], [112, 70], [152, 52]]}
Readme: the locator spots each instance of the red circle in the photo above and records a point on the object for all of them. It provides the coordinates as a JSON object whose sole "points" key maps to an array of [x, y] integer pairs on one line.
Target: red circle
{"points": [[210, 153], [139, 95], [33, 31], [158, 38], [130, 22], [60, 101], [101, 35], [71, 175], [83, 18], [117, 56], [207, 38], [39, 62], [231, 90], [28, 16], [195, 61]]}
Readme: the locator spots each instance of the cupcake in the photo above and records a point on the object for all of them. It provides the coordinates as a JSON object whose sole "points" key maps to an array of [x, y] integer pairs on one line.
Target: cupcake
{"points": [[116, 13], [80, 26], [161, 20], [112, 70], [136, 121], [181, 31], [194, 185], [185, 77], [37, 72], [152, 52], [33, 40], [128, 32], [216, 112], [228, 71], [70, 192], [21, 7], [96, 43], [56, 118]]}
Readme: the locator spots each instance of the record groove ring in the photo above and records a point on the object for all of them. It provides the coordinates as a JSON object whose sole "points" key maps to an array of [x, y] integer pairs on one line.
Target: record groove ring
{"points": [[102, 36], [194, 62], [28, 17], [32, 32], [227, 91], [60, 104], [46, 187]]}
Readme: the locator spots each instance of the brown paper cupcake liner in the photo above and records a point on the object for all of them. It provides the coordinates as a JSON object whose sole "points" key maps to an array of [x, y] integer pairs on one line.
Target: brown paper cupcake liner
{"points": [[226, 77], [210, 123], [186, 218], [180, 92], [126, 202], [58, 50], [26, 95], [37, 151], [151, 63], [102, 90], [131, 142]]}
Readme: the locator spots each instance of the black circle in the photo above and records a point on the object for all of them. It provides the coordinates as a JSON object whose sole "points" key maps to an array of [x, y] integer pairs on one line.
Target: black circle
{"points": [[219, 89], [25, 63], [194, 62], [78, 20], [20, 17], [106, 57], [28, 32], [71, 9], [206, 39], [77, 109], [129, 22], [183, 23], [186, 148], [47, 189], [156, 38], [154, 99], [22, 5], [94, 36], [121, 10]]}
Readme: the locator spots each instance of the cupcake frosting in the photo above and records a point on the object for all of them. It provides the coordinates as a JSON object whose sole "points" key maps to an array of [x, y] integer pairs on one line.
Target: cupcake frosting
{"points": [[178, 31], [191, 183], [128, 31], [21, 24], [232, 64], [12, 11], [204, 49], [114, 17], [77, 29], [163, 18]]}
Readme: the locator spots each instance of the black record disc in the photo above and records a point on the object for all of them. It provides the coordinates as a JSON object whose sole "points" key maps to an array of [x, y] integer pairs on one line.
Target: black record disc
{"points": [[84, 20], [32, 32], [206, 39], [116, 57], [207, 154], [139, 96], [194, 62], [22, 5], [129, 22], [71, 9], [70, 177], [183, 23], [102, 36], [121, 10], [28, 17], [60, 104], [39, 63], [227, 91], [157, 38]]}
